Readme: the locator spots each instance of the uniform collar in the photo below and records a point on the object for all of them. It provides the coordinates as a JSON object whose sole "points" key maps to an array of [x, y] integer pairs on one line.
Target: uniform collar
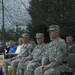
{"points": [[55, 41], [41, 45]]}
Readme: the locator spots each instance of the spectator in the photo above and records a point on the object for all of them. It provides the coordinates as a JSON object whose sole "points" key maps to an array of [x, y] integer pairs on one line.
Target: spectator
{"points": [[53, 60], [7, 47], [70, 43], [1, 48], [12, 48], [19, 47]]}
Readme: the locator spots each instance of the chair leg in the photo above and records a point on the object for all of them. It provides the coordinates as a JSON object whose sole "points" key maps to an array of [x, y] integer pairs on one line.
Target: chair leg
{"points": [[23, 72], [74, 72], [70, 69]]}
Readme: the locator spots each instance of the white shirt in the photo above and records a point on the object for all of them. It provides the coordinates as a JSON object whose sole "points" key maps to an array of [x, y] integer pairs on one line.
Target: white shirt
{"points": [[18, 49]]}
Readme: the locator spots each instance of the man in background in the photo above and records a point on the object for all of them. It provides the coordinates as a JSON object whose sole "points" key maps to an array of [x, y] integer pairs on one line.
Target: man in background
{"points": [[70, 43]]}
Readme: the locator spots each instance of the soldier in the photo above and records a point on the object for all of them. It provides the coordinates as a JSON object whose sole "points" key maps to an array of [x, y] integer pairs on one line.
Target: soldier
{"points": [[70, 43], [26, 50], [34, 60], [53, 61]]}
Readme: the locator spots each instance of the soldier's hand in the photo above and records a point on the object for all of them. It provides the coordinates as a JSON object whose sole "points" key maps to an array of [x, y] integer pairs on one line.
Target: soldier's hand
{"points": [[22, 61], [11, 58], [43, 69]]}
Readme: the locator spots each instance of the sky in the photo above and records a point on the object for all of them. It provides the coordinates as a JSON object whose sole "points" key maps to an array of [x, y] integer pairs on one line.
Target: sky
{"points": [[15, 13]]}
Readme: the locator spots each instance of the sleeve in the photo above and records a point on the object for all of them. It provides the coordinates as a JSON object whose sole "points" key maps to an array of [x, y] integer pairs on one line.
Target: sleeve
{"points": [[30, 54], [27, 51], [31, 49], [41, 54], [61, 52], [20, 55], [45, 58], [15, 48], [30, 57]]}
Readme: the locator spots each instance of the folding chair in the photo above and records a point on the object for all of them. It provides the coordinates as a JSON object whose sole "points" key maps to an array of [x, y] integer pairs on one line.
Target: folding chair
{"points": [[71, 62]]}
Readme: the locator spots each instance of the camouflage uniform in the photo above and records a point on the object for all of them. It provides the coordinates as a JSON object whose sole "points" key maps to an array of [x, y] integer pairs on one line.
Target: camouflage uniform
{"points": [[54, 57], [24, 52], [32, 61]]}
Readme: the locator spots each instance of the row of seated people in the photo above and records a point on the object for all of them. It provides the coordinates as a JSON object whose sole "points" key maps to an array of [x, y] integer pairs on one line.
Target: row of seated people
{"points": [[11, 50], [11, 47], [43, 59]]}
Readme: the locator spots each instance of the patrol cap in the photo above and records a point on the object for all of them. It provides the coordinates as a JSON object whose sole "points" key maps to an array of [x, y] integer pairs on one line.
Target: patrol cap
{"points": [[25, 35], [54, 27], [39, 35]]}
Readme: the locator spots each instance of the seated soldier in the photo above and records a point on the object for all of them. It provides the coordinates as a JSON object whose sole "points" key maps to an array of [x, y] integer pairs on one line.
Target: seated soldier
{"points": [[25, 50], [29, 63], [52, 62]]}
